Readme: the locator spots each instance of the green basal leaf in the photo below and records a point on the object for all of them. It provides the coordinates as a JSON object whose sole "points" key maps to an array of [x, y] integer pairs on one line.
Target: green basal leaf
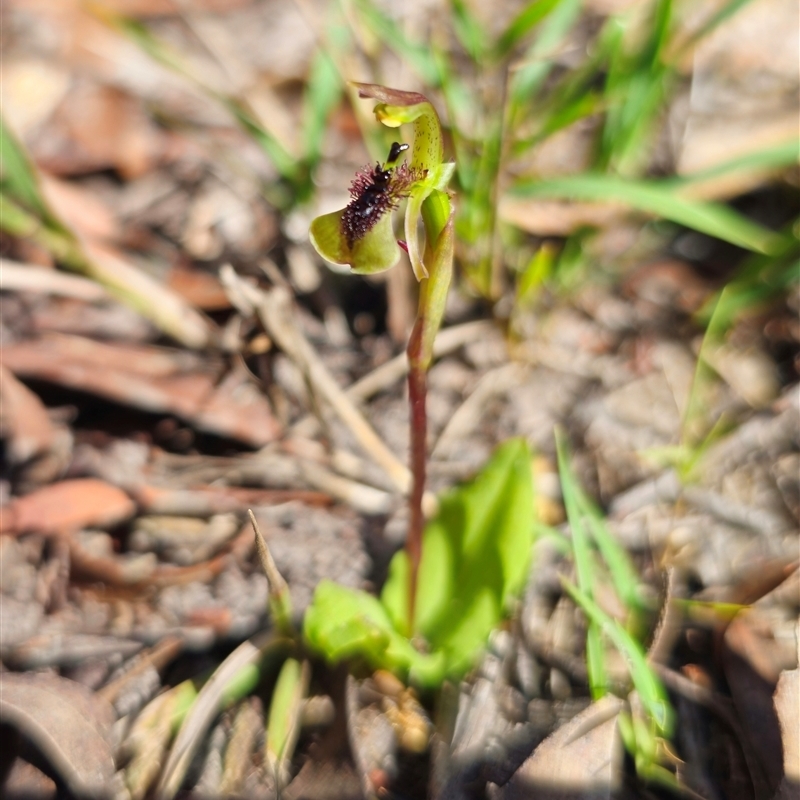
{"points": [[344, 623], [475, 556], [376, 251]]}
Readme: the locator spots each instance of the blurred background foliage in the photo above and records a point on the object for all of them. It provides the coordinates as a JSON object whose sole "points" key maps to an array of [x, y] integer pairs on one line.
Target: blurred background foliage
{"points": [[555, 66], [570, 123]]}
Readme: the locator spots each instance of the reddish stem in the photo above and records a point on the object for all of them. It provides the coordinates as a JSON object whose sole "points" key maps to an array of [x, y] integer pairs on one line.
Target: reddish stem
{"points": [[417, 391]]}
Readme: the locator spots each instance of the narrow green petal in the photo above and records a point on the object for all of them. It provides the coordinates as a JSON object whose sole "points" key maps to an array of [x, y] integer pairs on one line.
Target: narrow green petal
{"points": [[413, 212]]}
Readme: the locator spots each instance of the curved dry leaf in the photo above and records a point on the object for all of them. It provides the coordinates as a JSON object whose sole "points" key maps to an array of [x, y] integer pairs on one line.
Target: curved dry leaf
{"points": [[23, 419], [67, 724], [581, 760], [67, 506], [162, 306], [152, 378], [17, 276]]}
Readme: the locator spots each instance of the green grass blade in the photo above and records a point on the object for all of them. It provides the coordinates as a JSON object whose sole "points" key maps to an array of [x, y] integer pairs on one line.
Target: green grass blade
{"points": [[651, 691], [477, 222], [286, 164], [462, 110], [470, 32], [660, 199], [522, 25], [283, 726], [623, 573], [635, 87], [16, 175], [535, 275], [562, 115], [323, 93], [779, 156], [584, 568], [416, 54], [580, 539], [574, 92], [531, 75], [240, 685], [724, 13], [758, 281], [18, 180]]}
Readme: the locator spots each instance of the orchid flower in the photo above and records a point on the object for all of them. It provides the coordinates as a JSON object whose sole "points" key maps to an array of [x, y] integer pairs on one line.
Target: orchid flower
{"points": [[360, 235]]}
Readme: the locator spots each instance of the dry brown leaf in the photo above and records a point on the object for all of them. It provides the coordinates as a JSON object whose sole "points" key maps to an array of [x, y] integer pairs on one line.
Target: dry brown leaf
{"points": [[151, 378], [111, 569], [99, 127], [67, 506], [23, 420], [238, 409], [556, 217], [204, 501], [67, 724], [752, 673], [81, 210], [581, 760], [198, 288]]}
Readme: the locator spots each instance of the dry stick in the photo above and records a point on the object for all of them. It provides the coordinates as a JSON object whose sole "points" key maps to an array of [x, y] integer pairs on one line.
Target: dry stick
{"points": [[465, 418], [385, 375], [275, 312], [359, 496], [156, 657], [19, 277]]}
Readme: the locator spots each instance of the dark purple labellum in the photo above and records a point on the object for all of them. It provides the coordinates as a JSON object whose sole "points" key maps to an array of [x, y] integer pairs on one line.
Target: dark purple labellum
{"points": [[371, 199], [375, 192]]}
